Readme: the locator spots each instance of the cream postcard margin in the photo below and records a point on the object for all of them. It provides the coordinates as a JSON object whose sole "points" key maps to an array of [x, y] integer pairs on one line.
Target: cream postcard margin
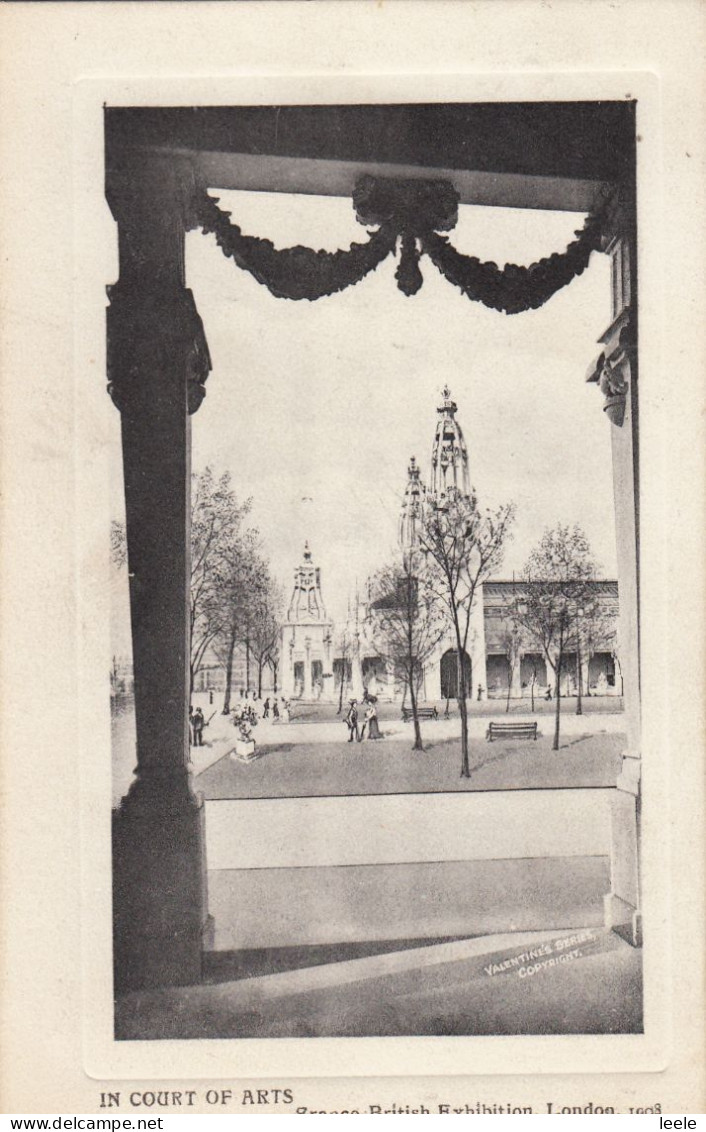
{"points": [[61, 63]]}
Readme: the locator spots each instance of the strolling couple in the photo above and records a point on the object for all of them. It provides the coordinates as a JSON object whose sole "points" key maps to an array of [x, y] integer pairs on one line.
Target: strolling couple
{"points": [[370, 721]]}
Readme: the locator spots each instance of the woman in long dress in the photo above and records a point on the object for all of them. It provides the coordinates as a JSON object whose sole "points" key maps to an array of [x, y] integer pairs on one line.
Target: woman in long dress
{"points": [[371, 719]]}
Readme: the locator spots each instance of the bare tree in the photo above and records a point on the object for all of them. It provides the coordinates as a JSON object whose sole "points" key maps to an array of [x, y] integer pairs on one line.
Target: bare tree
{"points": [[237, 580], [463, 546], [552, 598], [511, 644], [225, 572], [216, 528], [264, 620], [406, 622], [345, 652]]}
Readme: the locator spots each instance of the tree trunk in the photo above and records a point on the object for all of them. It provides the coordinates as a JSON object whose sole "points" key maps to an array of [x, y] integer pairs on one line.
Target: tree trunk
{"points": [[465, 762], [247, 664], [229, 674], [557, 710], [461, 700], [579, 706], [509, 687], [340, 690], [260, 664], [418, 745], [534, 678], [274, 675]]}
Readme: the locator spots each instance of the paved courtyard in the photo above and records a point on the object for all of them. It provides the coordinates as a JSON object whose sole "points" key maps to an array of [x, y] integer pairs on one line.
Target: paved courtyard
{"points": [[389, 766], [310, 756]]}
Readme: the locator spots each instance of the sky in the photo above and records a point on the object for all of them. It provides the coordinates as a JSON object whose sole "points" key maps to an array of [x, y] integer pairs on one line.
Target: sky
{"points": [[316, 408]]}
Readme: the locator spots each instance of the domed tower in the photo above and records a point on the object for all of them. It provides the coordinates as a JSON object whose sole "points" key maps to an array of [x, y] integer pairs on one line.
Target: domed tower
{"points": [[306, 603], [449, 457], [412, 504], [307, 637]]}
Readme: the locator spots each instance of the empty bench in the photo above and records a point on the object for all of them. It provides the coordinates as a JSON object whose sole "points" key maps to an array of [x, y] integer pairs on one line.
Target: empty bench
{"points": [[422, 713], [511, 731]]}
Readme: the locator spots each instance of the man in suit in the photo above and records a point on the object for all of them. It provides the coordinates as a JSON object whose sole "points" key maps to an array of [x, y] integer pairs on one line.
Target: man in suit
{"points": [[198, 723], [351, 721]]}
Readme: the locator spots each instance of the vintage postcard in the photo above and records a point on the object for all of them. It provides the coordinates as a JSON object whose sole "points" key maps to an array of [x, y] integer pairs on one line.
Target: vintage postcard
{"points": [[371, 751]]}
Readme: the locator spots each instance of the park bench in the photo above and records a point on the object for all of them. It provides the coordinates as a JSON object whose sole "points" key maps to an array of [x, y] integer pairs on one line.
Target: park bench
{"points": [[422, 713], [511, 731]]}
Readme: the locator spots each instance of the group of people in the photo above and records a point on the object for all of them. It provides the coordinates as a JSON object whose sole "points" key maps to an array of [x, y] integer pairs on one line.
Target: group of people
{"points": [[356, 729], [274, 708], [279, 708]]}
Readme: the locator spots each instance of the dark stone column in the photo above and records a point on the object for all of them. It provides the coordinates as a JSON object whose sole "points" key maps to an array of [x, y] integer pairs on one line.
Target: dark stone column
{"points": [[615, 371], [157, 362]]}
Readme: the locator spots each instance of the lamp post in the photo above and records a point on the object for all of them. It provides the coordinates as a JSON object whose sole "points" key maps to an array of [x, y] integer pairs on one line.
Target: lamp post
{"points": [[579, 705]]}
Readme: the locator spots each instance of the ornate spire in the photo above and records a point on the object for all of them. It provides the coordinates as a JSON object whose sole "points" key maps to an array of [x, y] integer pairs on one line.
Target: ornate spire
{"points": [[411, 507], [449, 458], [306, 603]]}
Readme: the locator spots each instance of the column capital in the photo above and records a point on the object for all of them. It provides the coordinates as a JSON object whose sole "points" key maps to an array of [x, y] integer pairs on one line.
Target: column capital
{"points": [[155, 335], [151, 194], [618, 217], [612, 369], [152, 337]]}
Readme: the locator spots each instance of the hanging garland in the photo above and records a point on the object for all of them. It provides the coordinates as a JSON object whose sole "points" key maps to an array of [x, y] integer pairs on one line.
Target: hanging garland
{"points": [[514, 289], [299, 272], [411, 213]]}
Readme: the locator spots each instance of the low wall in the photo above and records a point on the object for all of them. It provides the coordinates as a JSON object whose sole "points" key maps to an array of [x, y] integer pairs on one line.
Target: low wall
{"points": [[307, 871], [267, 833]]}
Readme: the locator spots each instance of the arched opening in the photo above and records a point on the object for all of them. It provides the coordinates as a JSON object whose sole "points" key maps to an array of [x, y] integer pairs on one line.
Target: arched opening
{"points": [[496, 675], [342, 672], [317, 678], [601, 675], [374, 674], [533, 671], [569, 674], [451, 687]]}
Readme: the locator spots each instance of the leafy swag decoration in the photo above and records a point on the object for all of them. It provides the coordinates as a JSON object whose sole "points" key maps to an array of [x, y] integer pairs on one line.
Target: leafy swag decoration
{"points": [[409, 214]]}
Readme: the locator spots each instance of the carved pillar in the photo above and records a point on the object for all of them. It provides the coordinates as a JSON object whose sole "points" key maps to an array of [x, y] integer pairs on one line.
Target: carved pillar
{"points": [[286, 675], [356, 687], [157, 363], [616, 373], [307, 669]]}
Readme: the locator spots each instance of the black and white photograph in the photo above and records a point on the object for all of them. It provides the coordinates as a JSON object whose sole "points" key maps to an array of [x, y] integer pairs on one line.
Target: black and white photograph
{"points": [[375, 643]]}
